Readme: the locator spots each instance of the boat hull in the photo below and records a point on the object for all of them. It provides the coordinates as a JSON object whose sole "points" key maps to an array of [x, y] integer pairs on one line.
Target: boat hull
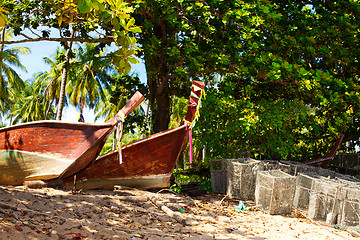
{"points": [[147, 163], [48, 149], [140, 182], [43, 150]]}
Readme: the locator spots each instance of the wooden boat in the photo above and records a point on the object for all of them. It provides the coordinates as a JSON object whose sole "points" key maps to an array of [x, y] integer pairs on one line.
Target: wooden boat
{"points": [[147, 163], [45, 150]]}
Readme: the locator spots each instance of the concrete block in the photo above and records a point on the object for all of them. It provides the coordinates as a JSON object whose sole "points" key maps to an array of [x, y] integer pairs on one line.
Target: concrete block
{"points": [[325, 172], [346, 179], [274, 191], [241, 178], [350, 209], [218, 175], [304, 183], [297, 168], [276, 165], [350, 160], [325, 200]]}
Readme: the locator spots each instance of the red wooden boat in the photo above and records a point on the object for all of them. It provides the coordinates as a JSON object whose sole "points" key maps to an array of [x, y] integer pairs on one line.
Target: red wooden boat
{"points": [[45, 150], [147, 163]]}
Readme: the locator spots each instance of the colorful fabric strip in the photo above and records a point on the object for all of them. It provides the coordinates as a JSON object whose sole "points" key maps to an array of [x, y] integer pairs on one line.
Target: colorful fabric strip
{"points": [[188, 127]]}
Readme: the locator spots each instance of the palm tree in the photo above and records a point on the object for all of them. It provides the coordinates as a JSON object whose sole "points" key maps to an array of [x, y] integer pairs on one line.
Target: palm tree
{"points": [[88, 75], [32, 104], [9, 79], [53, 77]]}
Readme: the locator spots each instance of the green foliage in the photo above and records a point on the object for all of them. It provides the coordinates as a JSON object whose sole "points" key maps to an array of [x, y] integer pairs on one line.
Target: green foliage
{"points": [[288, 70], [197, 175], [3, 11], [235, 121], [31, 103], [110, 20], [10, 82], [293, 84], [178, 110], [175, 188], [88, 73]]}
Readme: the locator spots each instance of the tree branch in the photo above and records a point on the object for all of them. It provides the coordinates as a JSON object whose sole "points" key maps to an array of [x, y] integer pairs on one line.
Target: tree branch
{"points": [[92, 40]]}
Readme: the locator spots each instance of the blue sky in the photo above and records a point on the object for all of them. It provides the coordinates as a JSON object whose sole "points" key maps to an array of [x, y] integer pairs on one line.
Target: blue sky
{"points": [[34, 63]]}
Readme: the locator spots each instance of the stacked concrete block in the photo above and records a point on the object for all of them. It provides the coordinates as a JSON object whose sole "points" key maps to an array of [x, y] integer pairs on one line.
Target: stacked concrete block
{"points": [[274, 191], [325, 200], [350, 209], [276, 165], [241, 178], [346, 179], [296, 168], [325, 172], [304, 182], [218, 175], [350, 160]]}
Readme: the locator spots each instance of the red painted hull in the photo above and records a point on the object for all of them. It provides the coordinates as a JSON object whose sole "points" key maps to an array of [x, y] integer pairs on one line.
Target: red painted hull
{"points": [[147, 163], [45, 150], [48, 149]]}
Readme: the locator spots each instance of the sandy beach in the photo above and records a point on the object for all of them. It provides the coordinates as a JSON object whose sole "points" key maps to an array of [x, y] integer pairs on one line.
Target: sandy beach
{"points": [[126, 213]]}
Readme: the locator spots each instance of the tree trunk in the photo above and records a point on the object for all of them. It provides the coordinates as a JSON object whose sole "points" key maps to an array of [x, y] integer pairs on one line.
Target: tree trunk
{"points": [[64, 79], [157, 68], [3, 32], [160, 107], [2, 38]]}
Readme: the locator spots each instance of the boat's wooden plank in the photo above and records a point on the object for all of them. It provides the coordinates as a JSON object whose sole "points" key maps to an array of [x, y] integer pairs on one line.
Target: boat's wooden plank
{"points": [[28, 150], [87, 154], [15, 166], [155, 156], [145, 182], [135, 101], [66, 142], [36, 134]]}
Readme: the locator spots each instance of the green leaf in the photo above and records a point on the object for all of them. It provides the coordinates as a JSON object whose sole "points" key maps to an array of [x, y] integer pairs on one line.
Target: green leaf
{"points": [[133, 60], [127, 68], [265, 9], [84, 6], [135, 29]]}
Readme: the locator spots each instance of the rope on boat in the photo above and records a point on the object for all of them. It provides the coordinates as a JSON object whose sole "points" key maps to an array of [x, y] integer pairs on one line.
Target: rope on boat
{"points": [[120, 128], [190, 125]]}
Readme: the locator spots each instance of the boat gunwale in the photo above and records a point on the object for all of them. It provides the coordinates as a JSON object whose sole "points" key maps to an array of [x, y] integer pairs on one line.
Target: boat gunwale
{"points": [[54, 122]]}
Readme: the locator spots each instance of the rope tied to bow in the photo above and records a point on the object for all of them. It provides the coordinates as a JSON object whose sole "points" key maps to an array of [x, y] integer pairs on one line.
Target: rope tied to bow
{"points": [[190, 125], [119, 129]]}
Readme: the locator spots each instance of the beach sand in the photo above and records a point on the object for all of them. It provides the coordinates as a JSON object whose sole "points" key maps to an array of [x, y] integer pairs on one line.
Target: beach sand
{"points": [[125, 213]]}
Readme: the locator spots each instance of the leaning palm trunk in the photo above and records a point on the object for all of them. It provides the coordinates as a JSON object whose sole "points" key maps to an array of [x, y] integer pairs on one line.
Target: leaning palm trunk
{"points": [[63, 79]]}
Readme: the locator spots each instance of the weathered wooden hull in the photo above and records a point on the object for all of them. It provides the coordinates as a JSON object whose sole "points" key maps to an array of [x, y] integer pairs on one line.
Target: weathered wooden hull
{"points": [[147, 163], [48, 149], [44, 150]]}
